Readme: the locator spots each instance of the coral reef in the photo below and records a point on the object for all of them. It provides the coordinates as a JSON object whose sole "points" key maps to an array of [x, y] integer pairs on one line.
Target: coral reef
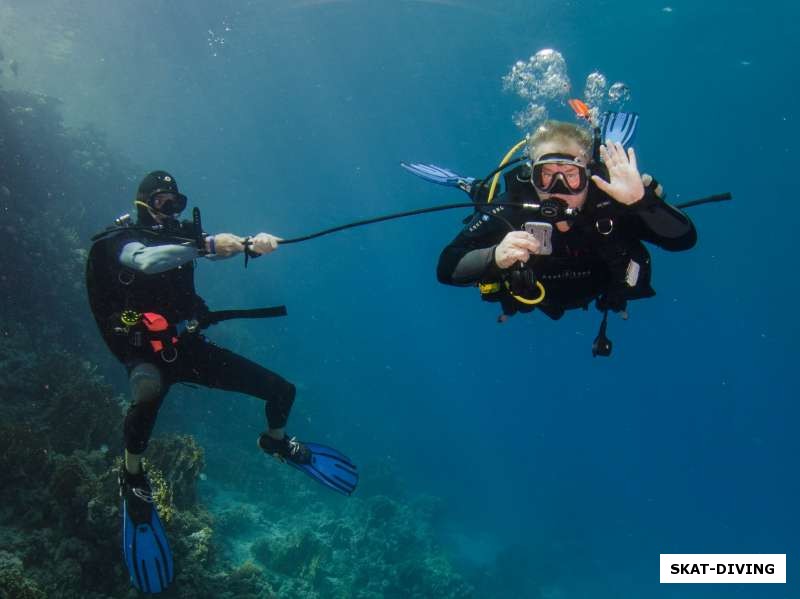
{"points": [[13, 582], [181, 460], [367, 548]]}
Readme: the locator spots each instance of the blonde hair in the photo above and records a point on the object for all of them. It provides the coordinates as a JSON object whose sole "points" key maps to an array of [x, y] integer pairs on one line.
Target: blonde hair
{"points": [[560, 132]]}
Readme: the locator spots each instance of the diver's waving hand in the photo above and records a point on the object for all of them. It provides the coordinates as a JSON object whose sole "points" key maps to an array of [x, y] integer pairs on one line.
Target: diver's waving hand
{"points": [[624, 181]]}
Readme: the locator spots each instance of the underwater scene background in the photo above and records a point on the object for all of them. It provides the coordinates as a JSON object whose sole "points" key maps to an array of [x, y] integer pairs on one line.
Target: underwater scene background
{"points": [[496, 461]]}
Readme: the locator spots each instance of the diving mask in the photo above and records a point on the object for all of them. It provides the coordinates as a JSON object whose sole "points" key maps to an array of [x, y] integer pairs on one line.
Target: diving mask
{"points": [[559, 173], [167, 202]]}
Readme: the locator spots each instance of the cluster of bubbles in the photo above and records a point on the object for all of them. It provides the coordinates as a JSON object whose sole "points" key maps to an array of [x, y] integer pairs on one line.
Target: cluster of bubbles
{"points": [[543, 79], [595, 89], [540, 79], [619, 93], [544, 76], [533, 113], [216, 41], [596, 92]]}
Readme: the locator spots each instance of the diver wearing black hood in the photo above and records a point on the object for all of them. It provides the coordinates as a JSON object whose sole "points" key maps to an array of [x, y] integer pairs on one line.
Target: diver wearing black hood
{"points": [[567, 263], [140, 280]]}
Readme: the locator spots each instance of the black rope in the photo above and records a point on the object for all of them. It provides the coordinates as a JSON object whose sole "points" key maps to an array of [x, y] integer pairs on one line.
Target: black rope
{"points": [[476, 205], [379, 219], [720, 197]]}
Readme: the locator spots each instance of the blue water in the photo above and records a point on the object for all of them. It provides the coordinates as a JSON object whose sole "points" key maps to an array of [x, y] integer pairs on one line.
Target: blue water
{"points": [[682, 442]]}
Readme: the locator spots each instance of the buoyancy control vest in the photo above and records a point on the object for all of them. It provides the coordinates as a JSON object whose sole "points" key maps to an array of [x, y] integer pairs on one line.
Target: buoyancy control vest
{"points": [[114, 289]]}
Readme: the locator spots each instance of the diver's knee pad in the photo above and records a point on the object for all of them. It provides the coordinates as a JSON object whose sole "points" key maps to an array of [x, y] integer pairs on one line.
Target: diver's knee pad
{"points": [[146, 385]]}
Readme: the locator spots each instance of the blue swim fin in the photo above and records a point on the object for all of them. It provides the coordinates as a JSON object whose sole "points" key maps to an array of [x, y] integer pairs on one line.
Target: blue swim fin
{"points": [[438, 175], [144, 542], [619, 127], [329, 467]]}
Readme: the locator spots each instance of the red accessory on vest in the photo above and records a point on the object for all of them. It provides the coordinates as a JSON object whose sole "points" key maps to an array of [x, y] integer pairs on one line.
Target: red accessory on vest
{"points": [[155, 323]]}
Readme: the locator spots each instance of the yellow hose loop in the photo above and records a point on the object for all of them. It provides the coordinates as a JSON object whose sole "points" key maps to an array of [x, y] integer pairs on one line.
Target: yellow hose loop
{"points": [[503, 162], [531, 302]]}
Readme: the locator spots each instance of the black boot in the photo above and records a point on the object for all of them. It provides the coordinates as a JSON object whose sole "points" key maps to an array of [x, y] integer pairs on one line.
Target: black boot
{"points": [[135, 490], [288, 448]]}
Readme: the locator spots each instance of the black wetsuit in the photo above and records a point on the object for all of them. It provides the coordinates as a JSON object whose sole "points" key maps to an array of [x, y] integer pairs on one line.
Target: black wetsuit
{"points": [[114, 288], [600, 257]]}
